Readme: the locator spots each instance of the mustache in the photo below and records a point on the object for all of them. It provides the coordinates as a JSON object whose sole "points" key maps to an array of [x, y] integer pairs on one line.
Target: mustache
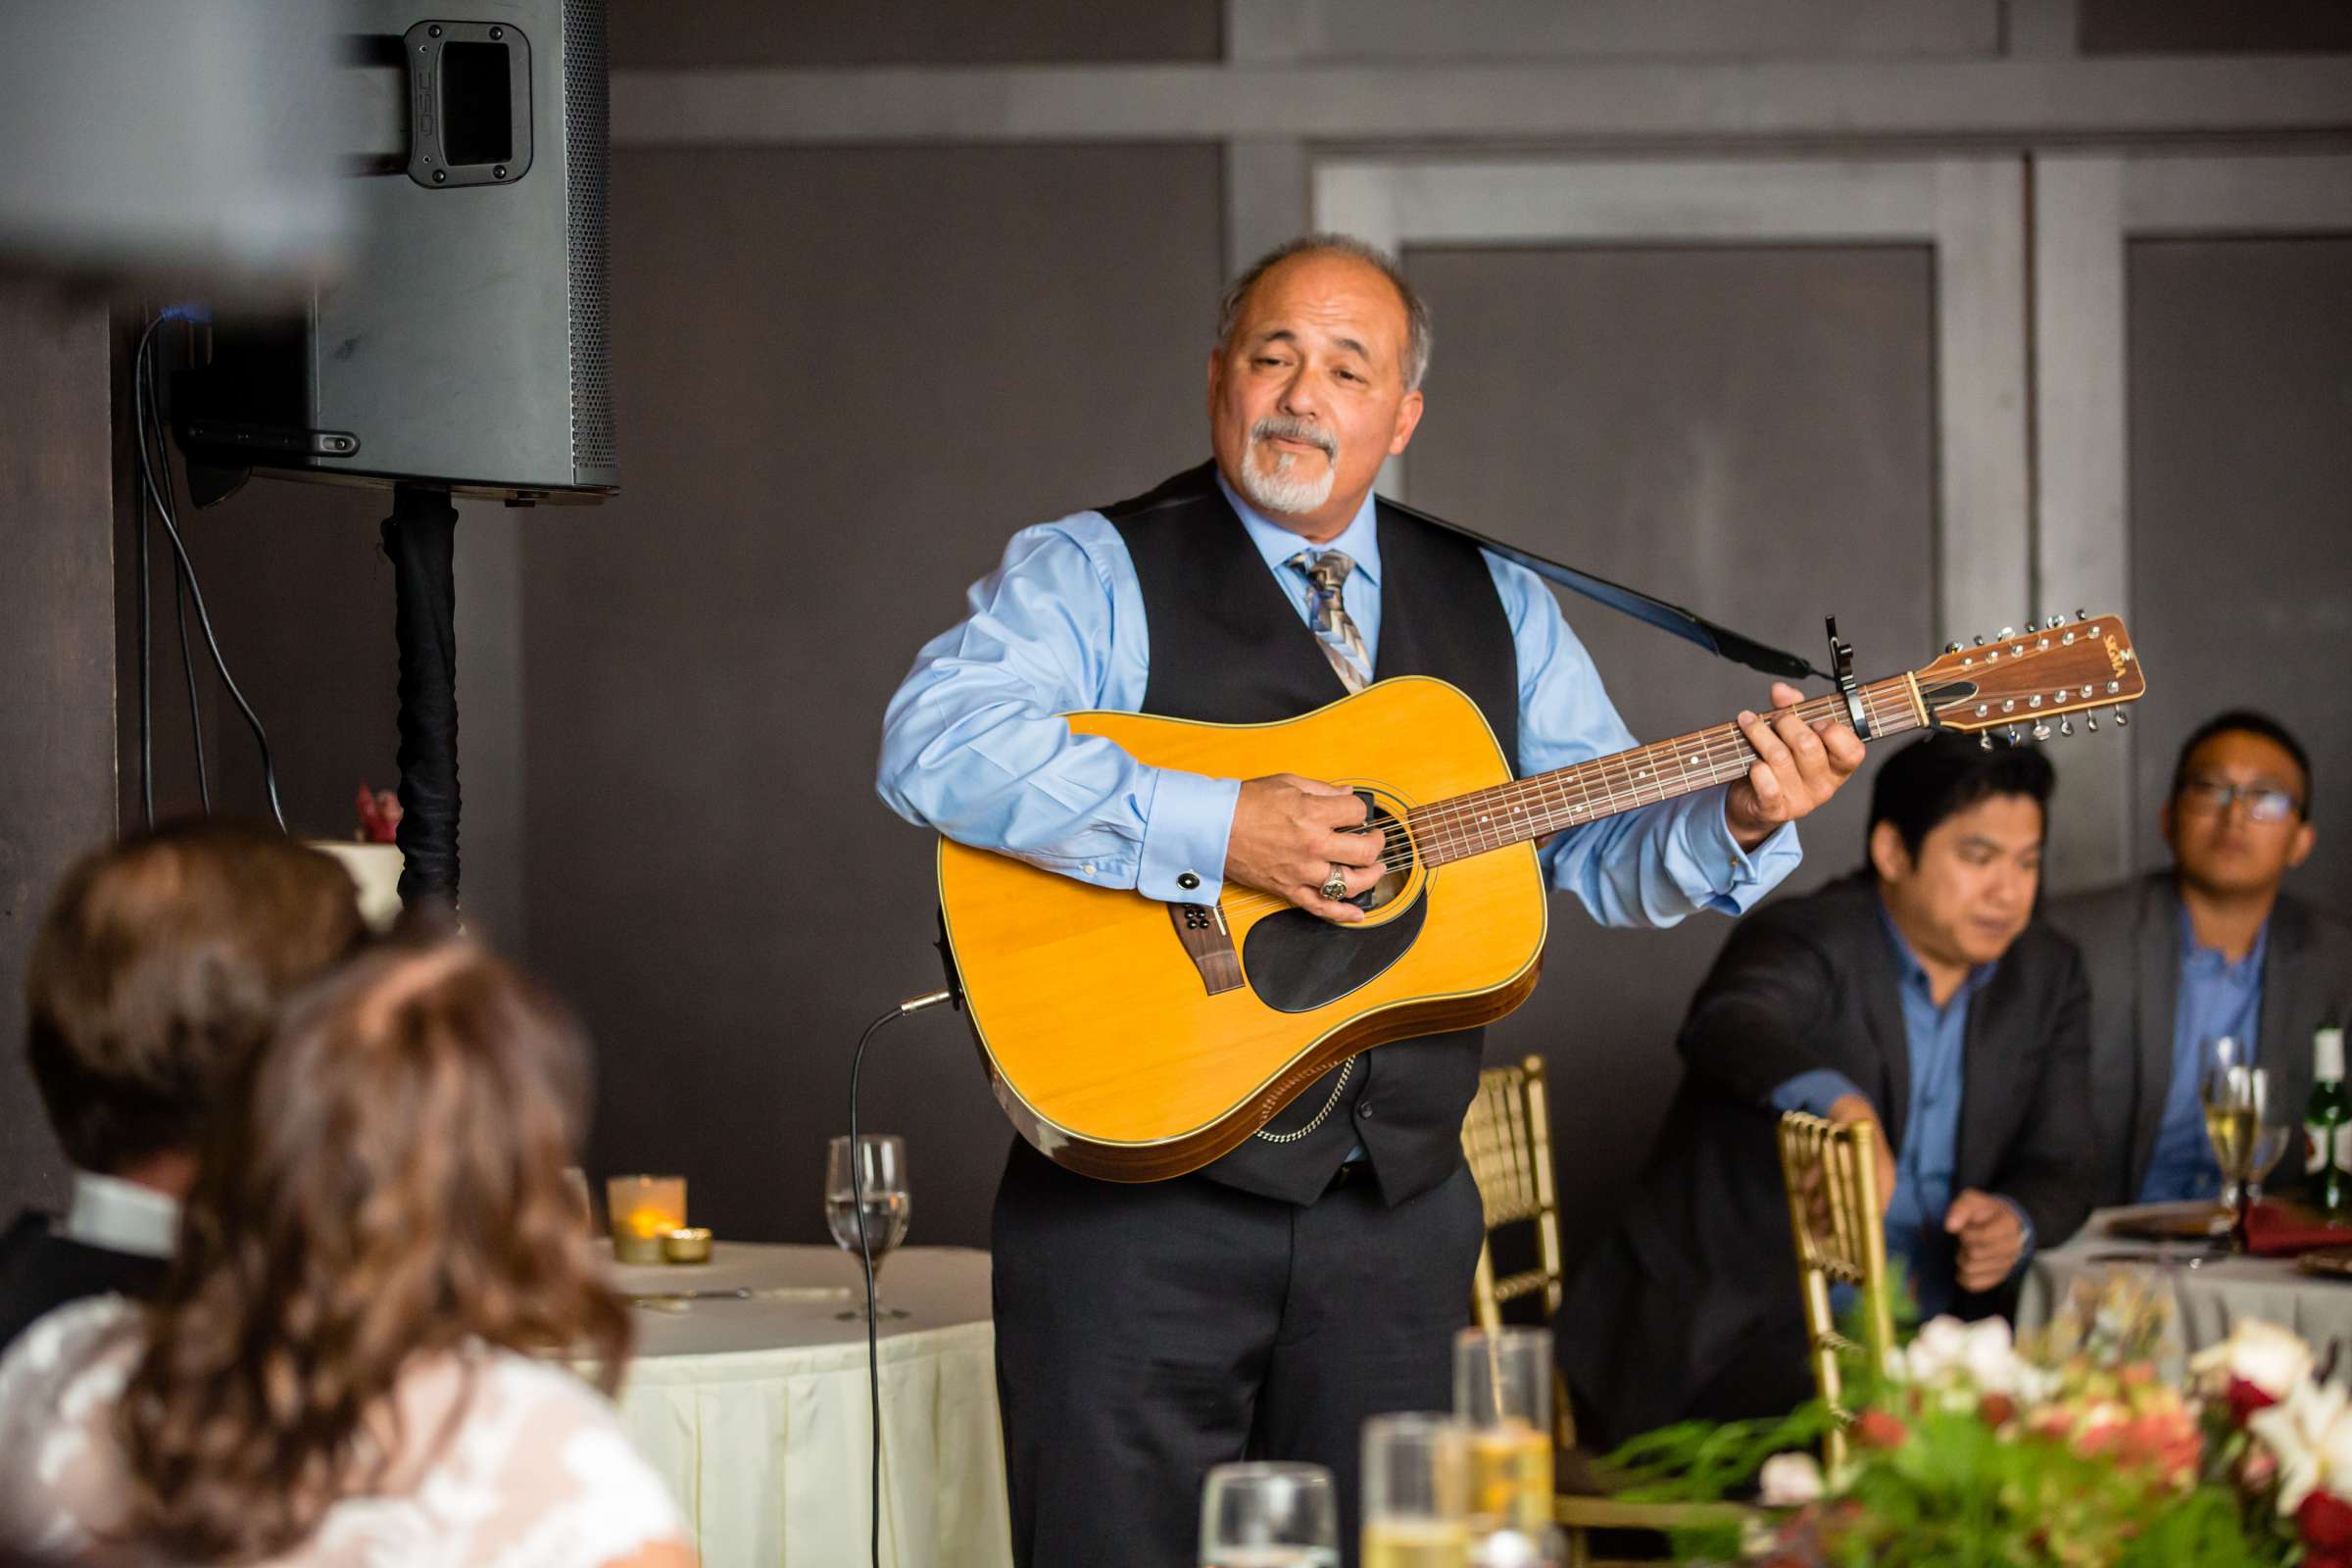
{"points": [[1284, 427]]}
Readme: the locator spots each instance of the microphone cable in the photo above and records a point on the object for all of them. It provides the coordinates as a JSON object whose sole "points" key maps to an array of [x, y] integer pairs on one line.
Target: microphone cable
{"points": [[866, 1256]]}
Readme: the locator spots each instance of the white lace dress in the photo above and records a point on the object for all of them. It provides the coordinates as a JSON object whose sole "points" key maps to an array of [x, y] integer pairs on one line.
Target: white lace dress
{"points": [[536, 1474]]}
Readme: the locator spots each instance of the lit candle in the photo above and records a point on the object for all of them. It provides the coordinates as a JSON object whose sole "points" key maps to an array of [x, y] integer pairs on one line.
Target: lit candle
{"points": [[644, 1209]]}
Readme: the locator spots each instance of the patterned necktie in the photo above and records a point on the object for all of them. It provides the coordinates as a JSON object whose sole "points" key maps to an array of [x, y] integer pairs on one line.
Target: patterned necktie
{"points": [[1335, 628]]}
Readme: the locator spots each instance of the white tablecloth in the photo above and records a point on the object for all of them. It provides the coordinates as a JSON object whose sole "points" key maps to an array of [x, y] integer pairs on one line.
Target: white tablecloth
{"points": [[2212, 1290], [754, 1411]]}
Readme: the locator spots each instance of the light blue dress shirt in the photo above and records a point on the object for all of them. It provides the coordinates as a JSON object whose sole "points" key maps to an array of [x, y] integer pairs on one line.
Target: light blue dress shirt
{"points": [[1935, 1041], [2216, 998], [974, 747]]}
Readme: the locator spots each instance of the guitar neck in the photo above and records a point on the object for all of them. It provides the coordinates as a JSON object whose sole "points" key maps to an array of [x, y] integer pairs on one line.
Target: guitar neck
{"points": [[1585, 792]]}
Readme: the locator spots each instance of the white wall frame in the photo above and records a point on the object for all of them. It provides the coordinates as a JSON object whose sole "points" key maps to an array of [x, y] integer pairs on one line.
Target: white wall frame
{"points": [[1971, 211], [2088, 207]]}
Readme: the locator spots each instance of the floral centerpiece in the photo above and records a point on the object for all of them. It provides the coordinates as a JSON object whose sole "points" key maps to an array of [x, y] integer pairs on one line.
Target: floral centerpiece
{"points": [[2087, 1445]]}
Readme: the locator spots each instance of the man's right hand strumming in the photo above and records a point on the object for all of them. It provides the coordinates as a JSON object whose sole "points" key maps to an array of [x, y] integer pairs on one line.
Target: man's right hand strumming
{"points": [[1287, 840]]}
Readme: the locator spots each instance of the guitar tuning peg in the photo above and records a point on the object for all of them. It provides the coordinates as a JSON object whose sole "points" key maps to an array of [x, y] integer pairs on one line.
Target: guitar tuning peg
{"points": [[1985, 741], [2014, 738], [2080, 614], [2066, 727], [1951, 648], [1979, 641], [2008, 632], [2053, 623], [2121, 718], [2090, 722], [2041, 730]]}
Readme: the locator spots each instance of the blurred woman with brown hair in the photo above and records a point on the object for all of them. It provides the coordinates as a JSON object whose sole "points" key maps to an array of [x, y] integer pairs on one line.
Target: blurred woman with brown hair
{"points": [[345, 1366]]}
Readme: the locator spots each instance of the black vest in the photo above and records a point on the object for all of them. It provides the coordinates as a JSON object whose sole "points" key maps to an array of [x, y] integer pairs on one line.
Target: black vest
{"points": [[1228, 646]]}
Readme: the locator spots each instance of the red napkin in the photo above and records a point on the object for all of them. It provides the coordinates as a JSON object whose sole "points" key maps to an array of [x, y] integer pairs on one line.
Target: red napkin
{"points": [[2281, 1230]]}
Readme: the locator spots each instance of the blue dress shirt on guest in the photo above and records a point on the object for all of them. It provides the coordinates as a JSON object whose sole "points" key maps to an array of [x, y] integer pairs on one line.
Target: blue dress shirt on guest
{"points": [[972, 744], [1936, 1040], [2216, 998]]}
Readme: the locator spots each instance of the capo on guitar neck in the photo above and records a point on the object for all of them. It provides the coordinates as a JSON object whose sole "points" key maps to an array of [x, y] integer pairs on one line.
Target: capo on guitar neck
{"points": [[1841, 668]]}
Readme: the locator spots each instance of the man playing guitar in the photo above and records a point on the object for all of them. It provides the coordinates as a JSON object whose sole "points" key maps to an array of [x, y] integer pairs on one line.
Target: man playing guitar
{"points": [[1315, 1275]]}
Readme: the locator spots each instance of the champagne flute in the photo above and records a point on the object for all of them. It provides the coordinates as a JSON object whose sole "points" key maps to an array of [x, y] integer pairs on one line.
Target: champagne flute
{"points": [[1268, 1515], [2220, 1055], [876, 1186], [2249, 1134], [1502, 1390]]}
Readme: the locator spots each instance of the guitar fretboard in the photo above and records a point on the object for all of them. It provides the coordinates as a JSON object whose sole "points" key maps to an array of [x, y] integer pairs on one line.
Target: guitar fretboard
{"points": [[1530, 808]]}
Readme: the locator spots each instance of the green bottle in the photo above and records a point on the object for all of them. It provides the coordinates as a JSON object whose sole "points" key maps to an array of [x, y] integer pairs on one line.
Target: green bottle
{"points": [[2327, 1125]]}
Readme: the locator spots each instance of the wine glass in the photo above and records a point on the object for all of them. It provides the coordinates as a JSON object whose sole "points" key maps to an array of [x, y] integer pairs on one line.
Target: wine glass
{"points": [[1265, 1515], [877, 1186], [2248, 1133]]}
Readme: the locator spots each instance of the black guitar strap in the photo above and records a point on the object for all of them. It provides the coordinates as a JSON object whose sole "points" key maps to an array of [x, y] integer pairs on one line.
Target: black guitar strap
{"points": [[1721, 640]]}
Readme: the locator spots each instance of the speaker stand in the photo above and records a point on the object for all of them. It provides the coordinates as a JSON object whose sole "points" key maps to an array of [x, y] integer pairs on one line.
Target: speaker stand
{"points": [[421, 538]]}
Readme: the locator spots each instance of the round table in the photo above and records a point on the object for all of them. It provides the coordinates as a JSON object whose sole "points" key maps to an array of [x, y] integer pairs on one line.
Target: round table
{"points": [[2211, 1291], [755, 1407]]}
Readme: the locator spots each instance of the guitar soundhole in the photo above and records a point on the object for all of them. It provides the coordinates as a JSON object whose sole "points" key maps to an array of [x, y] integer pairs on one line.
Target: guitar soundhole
{"points": [[1397, 853], [1297, 962]]}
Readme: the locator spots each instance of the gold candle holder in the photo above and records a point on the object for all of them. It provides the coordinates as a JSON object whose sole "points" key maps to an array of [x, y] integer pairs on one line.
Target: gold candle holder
{"points": [[643, 1211], [689, 1243]]}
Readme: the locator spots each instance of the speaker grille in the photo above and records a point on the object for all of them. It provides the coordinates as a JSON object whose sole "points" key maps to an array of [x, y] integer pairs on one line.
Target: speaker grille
{"points": [[587, 149]]}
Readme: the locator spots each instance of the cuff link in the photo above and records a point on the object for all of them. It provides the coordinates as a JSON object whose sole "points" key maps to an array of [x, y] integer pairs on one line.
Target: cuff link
{"points": [[1188, 880]]}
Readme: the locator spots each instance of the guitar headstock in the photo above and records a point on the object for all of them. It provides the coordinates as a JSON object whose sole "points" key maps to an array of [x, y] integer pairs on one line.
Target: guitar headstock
{"points": [[2020, 681]]}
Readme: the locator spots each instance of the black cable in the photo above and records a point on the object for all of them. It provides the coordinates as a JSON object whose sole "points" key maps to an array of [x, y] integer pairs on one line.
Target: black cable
{"points": [[179, 596], [204, 616], [866, 1256]]}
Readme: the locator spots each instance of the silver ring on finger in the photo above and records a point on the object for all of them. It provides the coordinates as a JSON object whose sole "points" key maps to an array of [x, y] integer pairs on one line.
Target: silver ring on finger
{"points": [[1335, 886]]}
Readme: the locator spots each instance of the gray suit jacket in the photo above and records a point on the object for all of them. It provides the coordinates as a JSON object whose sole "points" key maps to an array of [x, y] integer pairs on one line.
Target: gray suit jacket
{"points": [[2130, 935]]}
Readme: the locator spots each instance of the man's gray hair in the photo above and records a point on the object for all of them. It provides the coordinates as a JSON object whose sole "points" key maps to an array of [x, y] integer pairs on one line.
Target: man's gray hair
{"points": [[1416, 308]]}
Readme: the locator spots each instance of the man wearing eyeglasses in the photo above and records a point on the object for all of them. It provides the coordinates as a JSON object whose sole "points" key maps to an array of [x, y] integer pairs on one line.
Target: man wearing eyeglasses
{"points": [[2206, 948]]}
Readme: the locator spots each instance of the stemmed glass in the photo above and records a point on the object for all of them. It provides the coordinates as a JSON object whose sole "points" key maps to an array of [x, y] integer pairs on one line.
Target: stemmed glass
{"points": [[880, 1188], [2248, 1133], [1264, 1515]]}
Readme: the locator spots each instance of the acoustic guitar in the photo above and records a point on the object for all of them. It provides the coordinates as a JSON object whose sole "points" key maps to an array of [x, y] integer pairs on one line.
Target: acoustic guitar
{"points": [[1134, 1040]]}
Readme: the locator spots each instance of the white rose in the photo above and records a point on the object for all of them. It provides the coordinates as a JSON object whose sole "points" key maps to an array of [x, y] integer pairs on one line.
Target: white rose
{"points": [[2263, 1353], [1937, 1349], [2298, 1431], [1788, 1481], [1991, 1355]]}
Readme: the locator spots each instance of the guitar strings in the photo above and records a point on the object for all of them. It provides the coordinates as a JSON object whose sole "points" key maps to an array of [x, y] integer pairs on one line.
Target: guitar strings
{"points": [[1883, 702]]}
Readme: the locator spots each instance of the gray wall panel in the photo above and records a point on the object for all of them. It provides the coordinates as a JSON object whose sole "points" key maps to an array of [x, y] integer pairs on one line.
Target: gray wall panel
{"points": [[1747, 431], [2240, 398], [650, 34], [845, 378]]}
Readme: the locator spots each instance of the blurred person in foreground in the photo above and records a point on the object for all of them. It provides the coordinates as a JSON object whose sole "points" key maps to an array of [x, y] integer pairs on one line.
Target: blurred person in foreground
{"points": [[157, 972], [348, 1364], [1918, 994], [2208, 946]]}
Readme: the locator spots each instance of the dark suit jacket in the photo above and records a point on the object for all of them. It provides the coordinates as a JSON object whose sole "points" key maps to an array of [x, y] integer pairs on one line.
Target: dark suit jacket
{"points": [[1697, 1284], [41, 1271], [2130, 935]]}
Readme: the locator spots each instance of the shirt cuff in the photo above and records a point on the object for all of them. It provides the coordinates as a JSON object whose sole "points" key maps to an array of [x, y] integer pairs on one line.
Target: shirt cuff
{"points": [[2024, 1223], [1737, 878], [1184, 837], [1816, 1091]]}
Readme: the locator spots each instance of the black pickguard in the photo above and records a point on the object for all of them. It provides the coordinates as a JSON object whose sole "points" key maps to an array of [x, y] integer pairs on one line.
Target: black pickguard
{"points": [[1297, 962]]}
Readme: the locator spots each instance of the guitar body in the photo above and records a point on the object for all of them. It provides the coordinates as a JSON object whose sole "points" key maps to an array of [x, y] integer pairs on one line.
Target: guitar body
{"points": [[1132, 1039]]}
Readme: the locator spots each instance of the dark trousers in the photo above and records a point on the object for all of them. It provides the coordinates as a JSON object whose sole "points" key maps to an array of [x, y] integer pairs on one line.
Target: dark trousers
{"points": [[1146, 1333]]}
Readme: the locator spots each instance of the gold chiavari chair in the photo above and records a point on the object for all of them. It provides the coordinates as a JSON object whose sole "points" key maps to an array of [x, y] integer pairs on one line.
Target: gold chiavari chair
{"points": [[1846, 1245], [1508, 1139]]}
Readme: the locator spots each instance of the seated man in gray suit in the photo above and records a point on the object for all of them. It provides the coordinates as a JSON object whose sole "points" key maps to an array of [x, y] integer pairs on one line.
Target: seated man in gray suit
{"points": [[1919, 996], [2208, 947]]}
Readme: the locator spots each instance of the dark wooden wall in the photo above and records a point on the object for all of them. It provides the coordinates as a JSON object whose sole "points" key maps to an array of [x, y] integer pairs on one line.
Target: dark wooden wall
{"points": [[57, 643]]}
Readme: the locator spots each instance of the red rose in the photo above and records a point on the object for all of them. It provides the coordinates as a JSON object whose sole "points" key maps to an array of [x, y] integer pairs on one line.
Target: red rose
{"points": [[1876, 1428], [2245, 1398], [1996, 1410], [2325, 1521]]}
